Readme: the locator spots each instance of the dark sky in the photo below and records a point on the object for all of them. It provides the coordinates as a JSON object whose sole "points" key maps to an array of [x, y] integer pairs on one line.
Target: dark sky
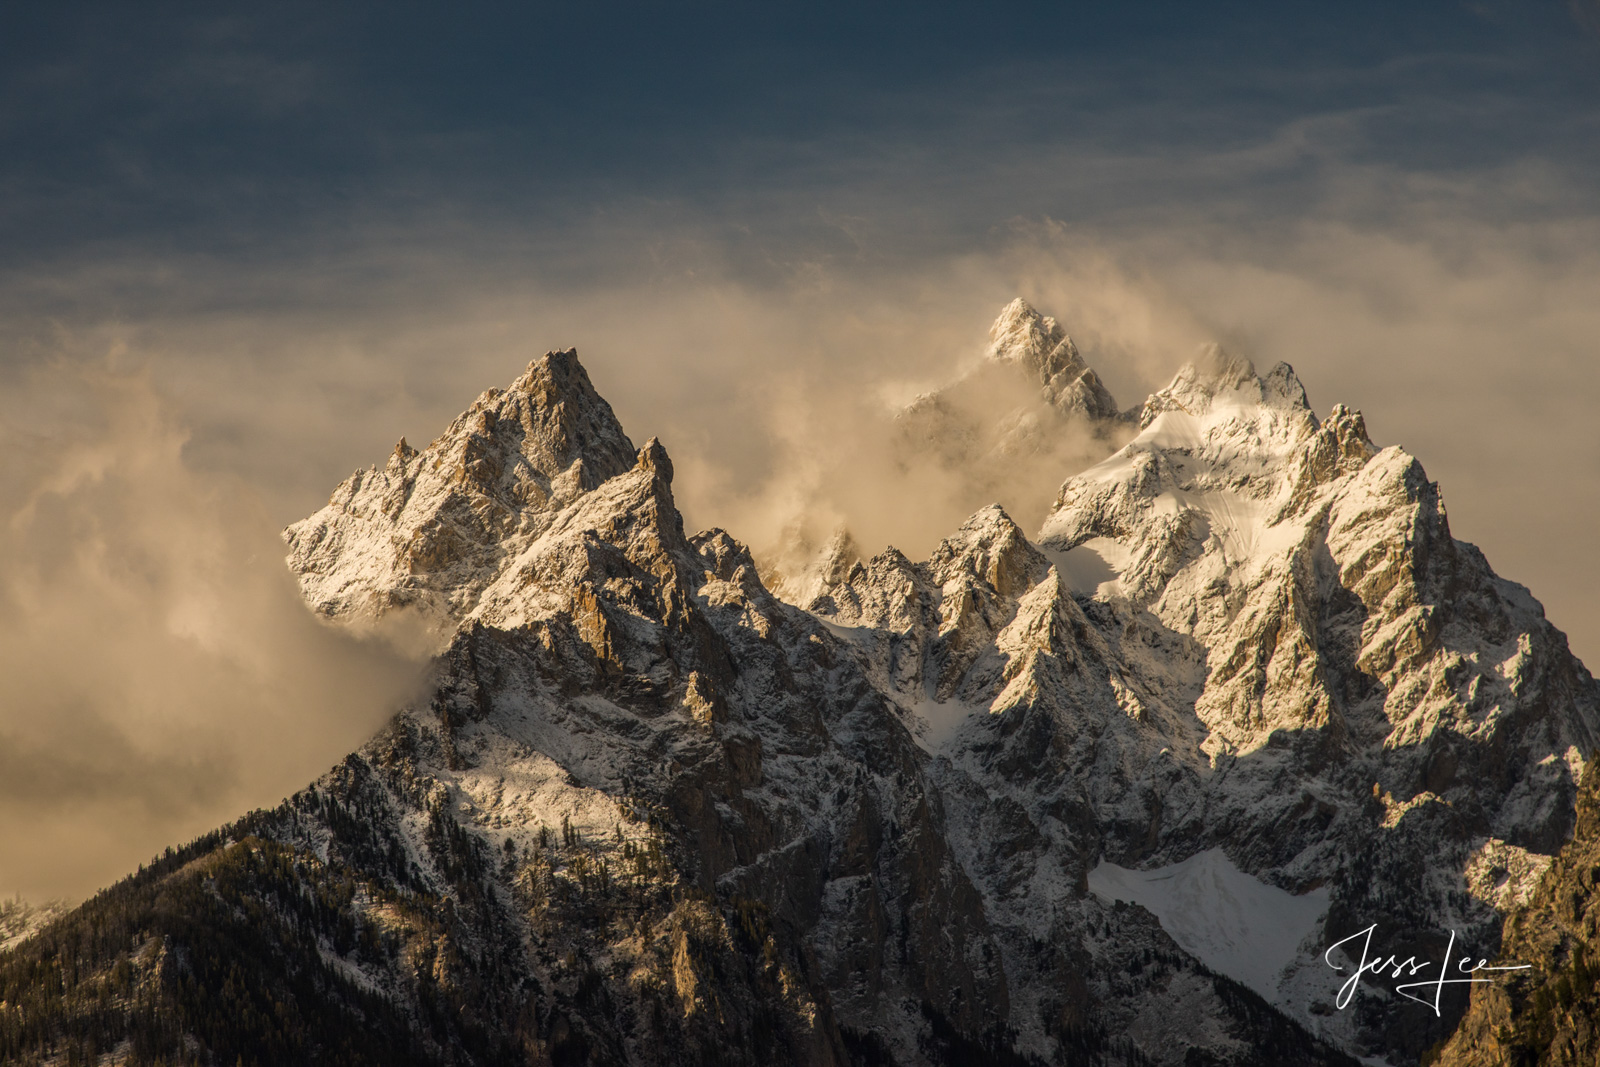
{"points": [[243, 248], [271, 130]]}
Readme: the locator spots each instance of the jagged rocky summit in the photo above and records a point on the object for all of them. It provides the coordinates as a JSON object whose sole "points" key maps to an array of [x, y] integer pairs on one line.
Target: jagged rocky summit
{"points": [[1026, 349], [429, 531], [651, 813]]}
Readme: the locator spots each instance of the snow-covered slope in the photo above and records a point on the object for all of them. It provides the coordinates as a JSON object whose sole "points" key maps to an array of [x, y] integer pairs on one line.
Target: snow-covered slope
{"points": [[1231, 922]]}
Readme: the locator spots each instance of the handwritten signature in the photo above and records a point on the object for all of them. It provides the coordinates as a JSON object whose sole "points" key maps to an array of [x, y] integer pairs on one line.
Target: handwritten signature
{"points": [[1410, 967]]}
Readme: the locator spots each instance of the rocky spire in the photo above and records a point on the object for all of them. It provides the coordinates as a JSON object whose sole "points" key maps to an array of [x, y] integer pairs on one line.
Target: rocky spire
{"points": [[426, 530], [1025, 338]]}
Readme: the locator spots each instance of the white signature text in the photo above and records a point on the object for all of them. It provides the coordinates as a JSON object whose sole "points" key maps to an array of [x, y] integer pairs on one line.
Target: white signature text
{"points": [[1410, 967]]}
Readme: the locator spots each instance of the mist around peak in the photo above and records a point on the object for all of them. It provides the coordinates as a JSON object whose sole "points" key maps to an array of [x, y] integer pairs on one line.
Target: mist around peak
{"points": [[777, 402], [162, 674], [1005, 430]]}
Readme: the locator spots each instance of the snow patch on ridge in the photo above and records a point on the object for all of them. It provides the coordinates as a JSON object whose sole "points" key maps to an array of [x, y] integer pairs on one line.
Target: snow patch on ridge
{"points": [[1092, 567], [1233, 923]]}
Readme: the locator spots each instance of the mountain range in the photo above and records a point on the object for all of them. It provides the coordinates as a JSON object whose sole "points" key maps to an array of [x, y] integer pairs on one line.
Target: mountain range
{"points": [[1108, 790]]}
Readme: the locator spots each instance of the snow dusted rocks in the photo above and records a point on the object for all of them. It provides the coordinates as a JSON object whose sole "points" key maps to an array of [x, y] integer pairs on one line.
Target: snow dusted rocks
{"points": [[610, 674], [607, 668], [1377, 703], [1247, 630], [428, 530]]}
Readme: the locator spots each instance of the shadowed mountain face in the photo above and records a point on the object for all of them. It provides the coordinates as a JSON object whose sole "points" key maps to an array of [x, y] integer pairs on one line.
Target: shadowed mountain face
{"points": [[653, 814], [1547, 1014]]}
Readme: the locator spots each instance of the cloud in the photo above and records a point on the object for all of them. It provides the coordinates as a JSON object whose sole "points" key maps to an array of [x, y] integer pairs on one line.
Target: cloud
{"points": [[161, 674], [304, 261], [766, 384], [153, 637]]}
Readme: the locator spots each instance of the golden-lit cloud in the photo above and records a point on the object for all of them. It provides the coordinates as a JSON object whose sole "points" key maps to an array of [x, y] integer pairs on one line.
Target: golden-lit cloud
{"points": [[154, 638], [161, 675]]}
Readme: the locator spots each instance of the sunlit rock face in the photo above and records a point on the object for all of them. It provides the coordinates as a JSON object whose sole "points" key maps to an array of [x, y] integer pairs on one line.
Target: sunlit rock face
{"points": [[428, 530], [653, 813], [1547, 1013]]}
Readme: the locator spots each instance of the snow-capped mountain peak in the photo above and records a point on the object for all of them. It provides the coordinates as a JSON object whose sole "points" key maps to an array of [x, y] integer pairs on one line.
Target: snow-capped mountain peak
{"points": [[428, 530], [1227, 630]]}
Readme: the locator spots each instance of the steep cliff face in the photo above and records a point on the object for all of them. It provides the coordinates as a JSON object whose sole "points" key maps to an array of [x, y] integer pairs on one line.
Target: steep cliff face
{"points": [[1550, 1013], [651, 813]]}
